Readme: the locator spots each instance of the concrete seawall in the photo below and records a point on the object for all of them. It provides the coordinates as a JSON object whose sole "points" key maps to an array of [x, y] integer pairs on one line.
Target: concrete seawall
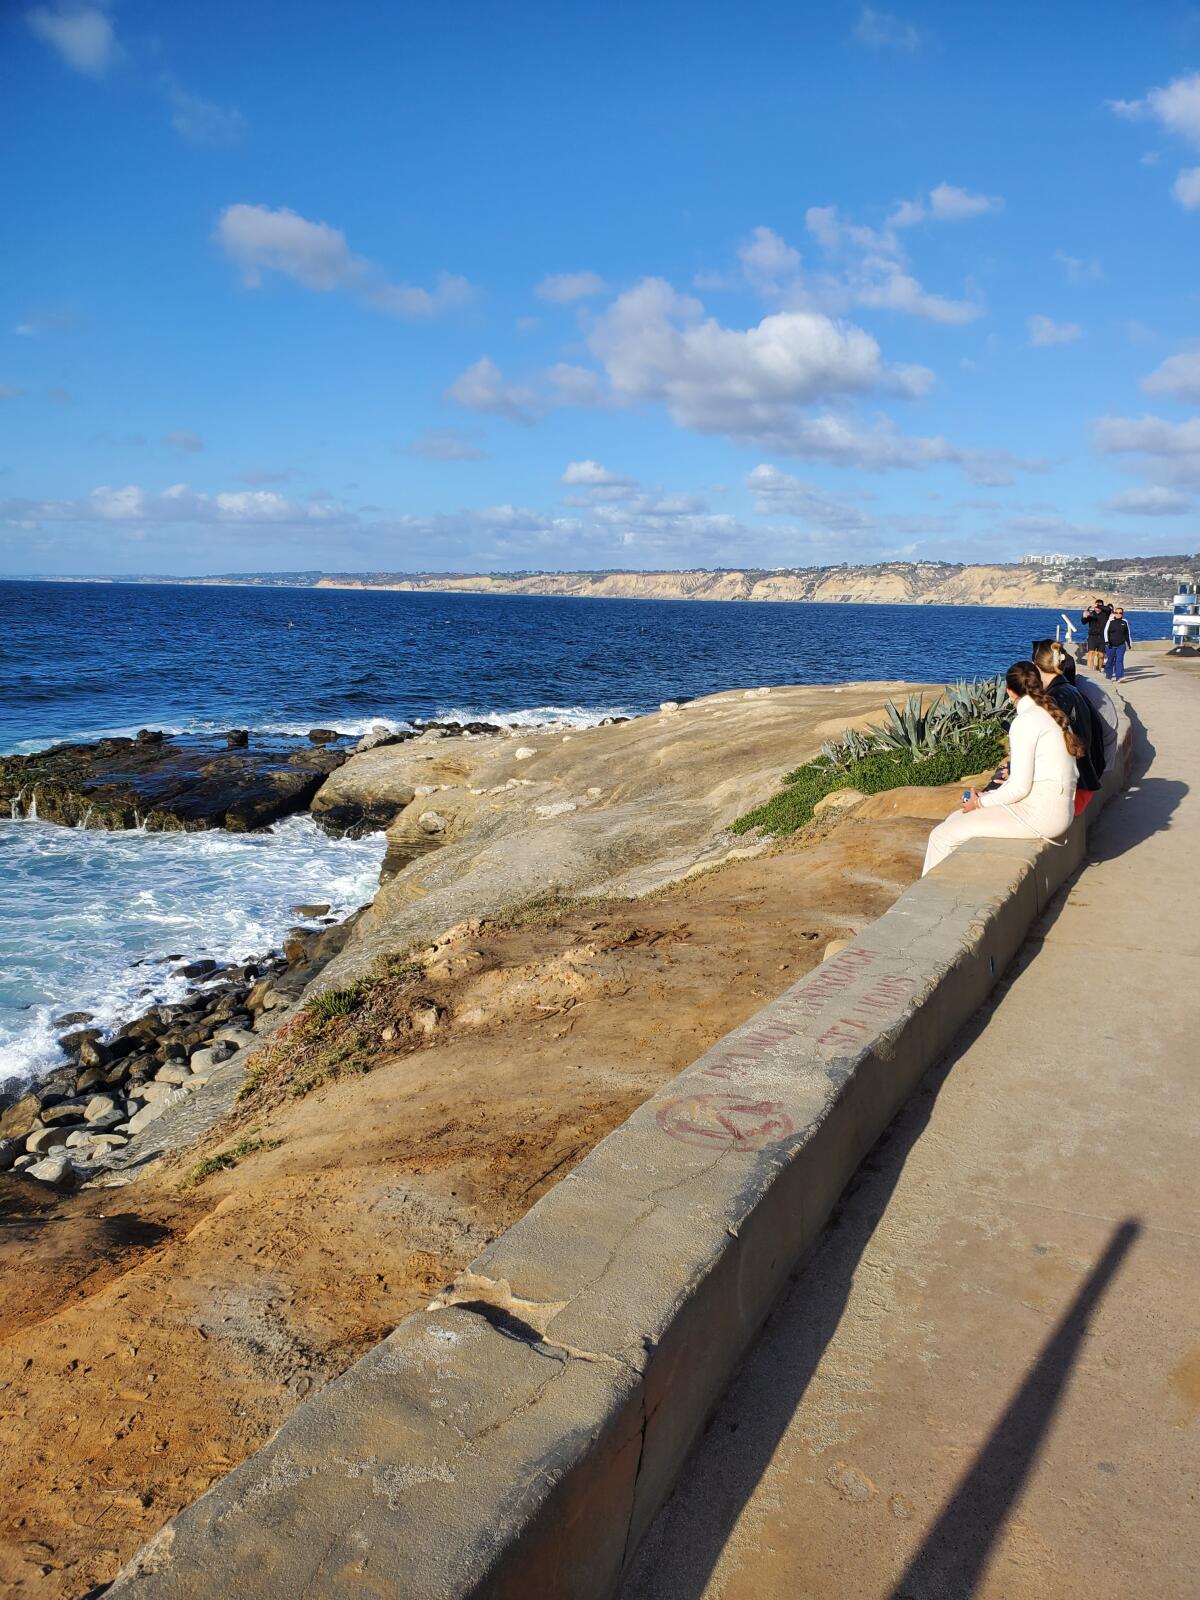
{"points": [[517, 1438]]}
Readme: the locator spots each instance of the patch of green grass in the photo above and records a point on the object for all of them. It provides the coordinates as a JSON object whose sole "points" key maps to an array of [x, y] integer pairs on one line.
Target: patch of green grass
{"points": [[403, 968], [793, 807], [225, 1159], [334, 1003]]}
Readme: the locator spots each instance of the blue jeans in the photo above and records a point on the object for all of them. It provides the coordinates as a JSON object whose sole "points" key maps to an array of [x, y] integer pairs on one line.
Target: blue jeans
{"points": [[1114, 662]]}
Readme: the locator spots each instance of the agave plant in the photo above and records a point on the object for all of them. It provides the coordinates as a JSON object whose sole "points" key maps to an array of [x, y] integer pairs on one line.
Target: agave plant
{"points": [[919, 729]]}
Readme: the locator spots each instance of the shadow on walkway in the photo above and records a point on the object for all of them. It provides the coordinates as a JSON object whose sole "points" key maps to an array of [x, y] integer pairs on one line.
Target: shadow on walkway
{"points": [[685, 1542], [954, 1554], [1144, 808]]}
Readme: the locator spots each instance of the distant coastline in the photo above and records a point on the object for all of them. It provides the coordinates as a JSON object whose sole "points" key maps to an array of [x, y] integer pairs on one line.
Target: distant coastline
{"points": [[1140, 582]]}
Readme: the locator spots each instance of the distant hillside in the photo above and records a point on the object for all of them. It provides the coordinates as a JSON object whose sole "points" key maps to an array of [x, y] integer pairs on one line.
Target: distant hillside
{"points": [[1139, 581], [1142, 581]]}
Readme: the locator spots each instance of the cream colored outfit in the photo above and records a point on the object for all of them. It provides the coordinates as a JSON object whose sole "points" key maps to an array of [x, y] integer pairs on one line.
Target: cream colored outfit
{"points": [[1036, 801]]}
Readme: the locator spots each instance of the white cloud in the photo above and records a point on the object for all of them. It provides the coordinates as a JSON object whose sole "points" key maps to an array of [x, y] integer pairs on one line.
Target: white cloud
{"points": [[946, 203], [657, 345], [258, 240], [1168, 452], [136, 507], [881, 31], [1044, 331], [1178, 376], [1153, 502], [563, 287], [778, 493], [445, 444], [483, 387], [1176, 106], [576, 386], [881, 447], [1078, 270], [203, 122], [591, 475], [83, 35], [183, 440], [768, 262], [875, 272]]}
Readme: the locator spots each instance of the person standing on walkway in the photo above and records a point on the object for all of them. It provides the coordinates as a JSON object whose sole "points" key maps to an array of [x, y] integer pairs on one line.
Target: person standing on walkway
{"points": [[1117, 639], [1095, 619], [1037, 800]]}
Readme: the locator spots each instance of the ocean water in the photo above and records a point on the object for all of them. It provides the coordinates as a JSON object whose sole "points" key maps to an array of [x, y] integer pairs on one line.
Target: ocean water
{"points": [[78, 908]]}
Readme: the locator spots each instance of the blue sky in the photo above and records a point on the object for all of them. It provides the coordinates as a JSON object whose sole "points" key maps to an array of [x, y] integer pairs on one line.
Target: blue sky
{"points": [[543, 286]]}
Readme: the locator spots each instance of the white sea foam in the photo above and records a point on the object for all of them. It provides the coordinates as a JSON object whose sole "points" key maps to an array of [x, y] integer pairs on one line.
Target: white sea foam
{"points": [[78, 907], [536, 716]]}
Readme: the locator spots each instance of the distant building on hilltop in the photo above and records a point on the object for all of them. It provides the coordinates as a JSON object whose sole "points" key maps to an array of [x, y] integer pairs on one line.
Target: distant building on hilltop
{"points": [[1055, 560]]}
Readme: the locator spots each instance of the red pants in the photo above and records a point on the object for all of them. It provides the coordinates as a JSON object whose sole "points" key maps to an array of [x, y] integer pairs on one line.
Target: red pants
{"points": [[1082, 796]]}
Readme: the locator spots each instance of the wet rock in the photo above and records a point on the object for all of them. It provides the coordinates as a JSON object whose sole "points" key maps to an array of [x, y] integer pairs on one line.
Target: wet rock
{"points": [[197, 969], [92, 1078], [56, 1172], [72, 1043], [297, 945], [323, 735], [71, 1019], [317, 909], [149, 736], [55, 1086], [238, 738], [173, 784], [10, 1149]]}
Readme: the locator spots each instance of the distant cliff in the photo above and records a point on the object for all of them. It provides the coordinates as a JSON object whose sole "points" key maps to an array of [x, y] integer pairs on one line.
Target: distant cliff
{"points": [[1148, 583]]}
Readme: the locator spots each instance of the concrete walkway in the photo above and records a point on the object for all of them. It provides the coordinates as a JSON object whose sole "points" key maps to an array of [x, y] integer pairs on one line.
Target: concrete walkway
{"points": [[986, 1379]]}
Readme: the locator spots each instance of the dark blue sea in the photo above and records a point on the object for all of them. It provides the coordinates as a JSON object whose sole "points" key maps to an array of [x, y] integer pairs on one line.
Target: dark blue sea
{"points": [[80, 660]]}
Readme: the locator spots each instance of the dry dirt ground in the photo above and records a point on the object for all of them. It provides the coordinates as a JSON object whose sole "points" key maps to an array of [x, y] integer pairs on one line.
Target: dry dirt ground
{"points": [[153, 1336]]}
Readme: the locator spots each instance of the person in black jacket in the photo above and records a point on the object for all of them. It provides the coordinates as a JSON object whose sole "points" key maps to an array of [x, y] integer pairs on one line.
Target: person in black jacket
{"points": [[1095, 619], [1047, 658], [1117, 638]]}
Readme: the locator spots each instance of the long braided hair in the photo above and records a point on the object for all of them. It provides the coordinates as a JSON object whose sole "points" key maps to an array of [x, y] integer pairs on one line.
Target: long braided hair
{"points": [[1023, 678]]}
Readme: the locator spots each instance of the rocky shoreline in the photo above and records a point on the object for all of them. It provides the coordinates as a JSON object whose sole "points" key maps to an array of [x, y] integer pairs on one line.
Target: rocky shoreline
{"points": [[160, 782], [64, 1128]]}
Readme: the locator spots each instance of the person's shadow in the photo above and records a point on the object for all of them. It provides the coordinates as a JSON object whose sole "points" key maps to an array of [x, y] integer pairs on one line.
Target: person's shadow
{"points": [[1143, 808], [683, 1546]]}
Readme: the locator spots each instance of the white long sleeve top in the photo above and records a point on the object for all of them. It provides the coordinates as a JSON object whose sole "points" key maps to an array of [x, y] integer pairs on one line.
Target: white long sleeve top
{"points": [[1037, 754]]}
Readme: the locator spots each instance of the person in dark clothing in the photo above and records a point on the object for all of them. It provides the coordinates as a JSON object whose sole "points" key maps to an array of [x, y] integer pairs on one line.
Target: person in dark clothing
{"points": [[1095, 619], [1117, 639], [1048, 657]]}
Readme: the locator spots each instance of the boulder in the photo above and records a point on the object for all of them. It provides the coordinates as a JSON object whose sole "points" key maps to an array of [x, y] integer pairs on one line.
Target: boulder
{"points": [[63, 1111], [523, 752], [317, 909], [426, 1017], [100, 1105], [197, 969], [71, 1043], [237, 738], [91, 1079], [173, 1074], [19, 1119], [323, 735], [239, 1038], [838, 800], [149, 1113], [55, 1171], [376, 739], [44, 1139], [71, 1019], [149, 736], [432, 821], [10, 1149]]}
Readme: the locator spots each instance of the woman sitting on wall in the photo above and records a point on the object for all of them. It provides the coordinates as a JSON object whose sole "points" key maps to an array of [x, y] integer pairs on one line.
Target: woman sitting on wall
{"points": [[1037, 800], [1049, 658]]}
